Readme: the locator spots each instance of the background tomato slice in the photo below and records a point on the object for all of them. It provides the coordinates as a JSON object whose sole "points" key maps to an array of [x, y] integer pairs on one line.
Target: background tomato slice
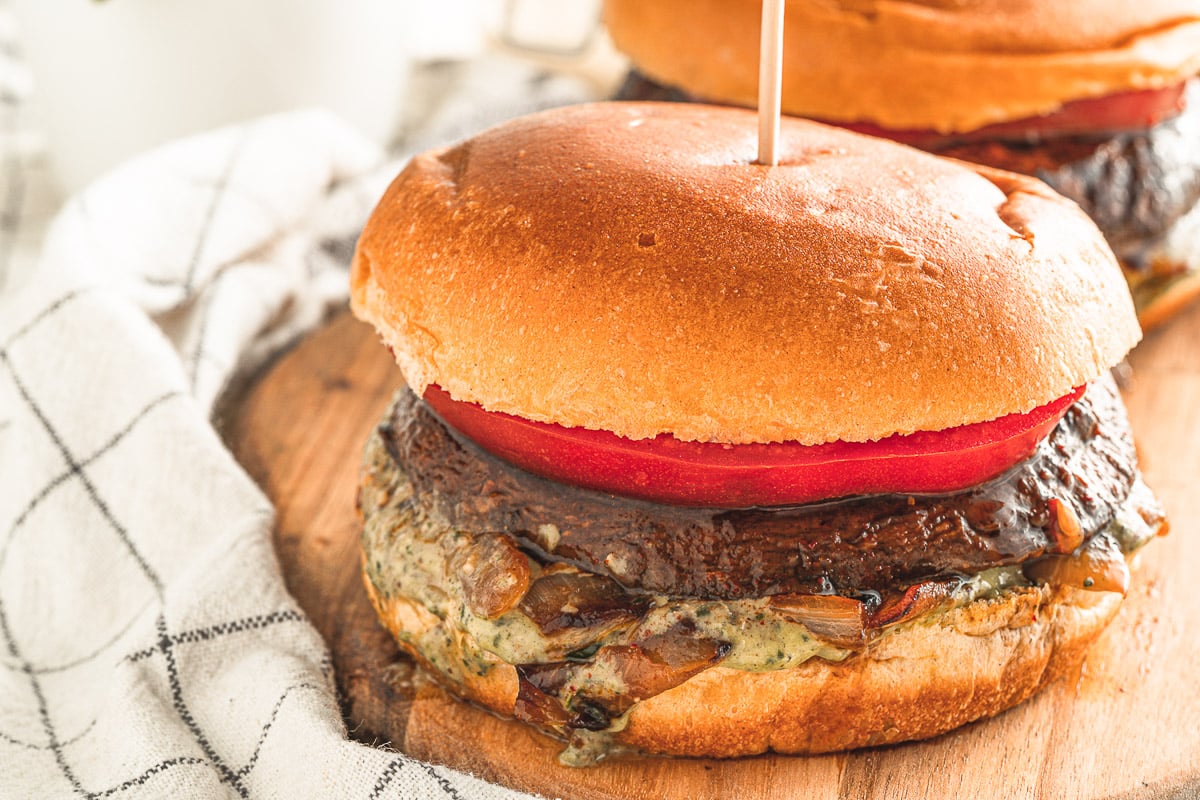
{"points": [[667, 470], [1125, 111]]}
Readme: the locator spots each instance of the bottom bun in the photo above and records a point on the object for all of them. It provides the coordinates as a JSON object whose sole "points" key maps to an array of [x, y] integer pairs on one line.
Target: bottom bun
{"points": [[946, 670], [973, 662]]}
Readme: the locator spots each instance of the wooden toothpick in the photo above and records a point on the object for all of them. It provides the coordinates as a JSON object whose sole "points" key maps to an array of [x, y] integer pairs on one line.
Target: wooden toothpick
{"points": [[770, 82]]}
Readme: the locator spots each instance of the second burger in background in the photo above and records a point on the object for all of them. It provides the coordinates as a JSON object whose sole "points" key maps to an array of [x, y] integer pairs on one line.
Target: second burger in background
{"points": [[1097, 98]]}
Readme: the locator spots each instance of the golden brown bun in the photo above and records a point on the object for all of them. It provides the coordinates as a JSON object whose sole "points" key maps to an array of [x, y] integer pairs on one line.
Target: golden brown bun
{"points": [[974, 662], [920, 682], [945, 66], [624, 267]]}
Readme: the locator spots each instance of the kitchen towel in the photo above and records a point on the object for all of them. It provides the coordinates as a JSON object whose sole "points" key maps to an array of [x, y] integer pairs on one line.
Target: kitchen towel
{"points": [[148, 647]]}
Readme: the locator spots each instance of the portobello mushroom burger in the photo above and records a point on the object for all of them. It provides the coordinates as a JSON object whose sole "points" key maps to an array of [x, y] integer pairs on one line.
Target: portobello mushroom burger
{"points": [[702, 457]]}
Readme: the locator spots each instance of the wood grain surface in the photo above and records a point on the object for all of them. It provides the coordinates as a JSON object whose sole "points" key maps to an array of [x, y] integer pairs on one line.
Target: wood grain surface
{"points": [[1128, 726]]}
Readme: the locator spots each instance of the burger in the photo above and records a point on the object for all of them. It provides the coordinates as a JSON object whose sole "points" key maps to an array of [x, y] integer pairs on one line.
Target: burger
{"points": [[706, 458], [1097, 98]]}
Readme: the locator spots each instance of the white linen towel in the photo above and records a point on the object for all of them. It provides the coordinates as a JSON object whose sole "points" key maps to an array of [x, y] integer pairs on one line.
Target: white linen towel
{"points": [[148, 647]]}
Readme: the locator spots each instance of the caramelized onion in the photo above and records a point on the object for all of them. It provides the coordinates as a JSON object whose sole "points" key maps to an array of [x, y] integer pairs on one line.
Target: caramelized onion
{"points": [[549, 678], [619, 676], [663, 661], [1098, 566], [1064, 529], [494, 574], [540, 696], [536, 705], [918, 599], [841, 621], [565, 599]]}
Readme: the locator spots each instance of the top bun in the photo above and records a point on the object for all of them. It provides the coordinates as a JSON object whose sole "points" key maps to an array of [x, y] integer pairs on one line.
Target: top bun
{"points": [[625, 267], [927, 65]]}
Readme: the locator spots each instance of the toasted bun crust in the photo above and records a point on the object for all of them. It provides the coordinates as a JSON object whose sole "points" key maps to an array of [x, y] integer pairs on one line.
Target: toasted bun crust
{"points": [[974, 662], [624, 267], [945, 66]]}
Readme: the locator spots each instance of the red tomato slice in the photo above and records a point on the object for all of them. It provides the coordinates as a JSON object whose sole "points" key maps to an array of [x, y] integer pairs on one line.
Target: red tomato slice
{"points": [[1126, 111], [667, 470]]}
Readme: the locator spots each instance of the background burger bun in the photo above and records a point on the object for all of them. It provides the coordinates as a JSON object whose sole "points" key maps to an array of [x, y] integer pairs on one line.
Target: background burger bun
{"points": [[904, 65], [625, 267]]}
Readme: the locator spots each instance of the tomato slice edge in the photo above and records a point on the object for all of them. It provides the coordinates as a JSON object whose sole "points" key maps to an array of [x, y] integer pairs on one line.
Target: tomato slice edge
{"points": [[1138, 109], [668, 470]]}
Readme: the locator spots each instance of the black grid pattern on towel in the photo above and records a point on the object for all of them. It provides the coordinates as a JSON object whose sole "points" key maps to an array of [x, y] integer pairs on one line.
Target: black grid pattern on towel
{"points": [[168, 642], [45, 742], [77, 470]]}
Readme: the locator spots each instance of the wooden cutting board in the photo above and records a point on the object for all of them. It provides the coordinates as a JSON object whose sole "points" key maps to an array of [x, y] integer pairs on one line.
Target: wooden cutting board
{"points": [[1128, 726]]}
